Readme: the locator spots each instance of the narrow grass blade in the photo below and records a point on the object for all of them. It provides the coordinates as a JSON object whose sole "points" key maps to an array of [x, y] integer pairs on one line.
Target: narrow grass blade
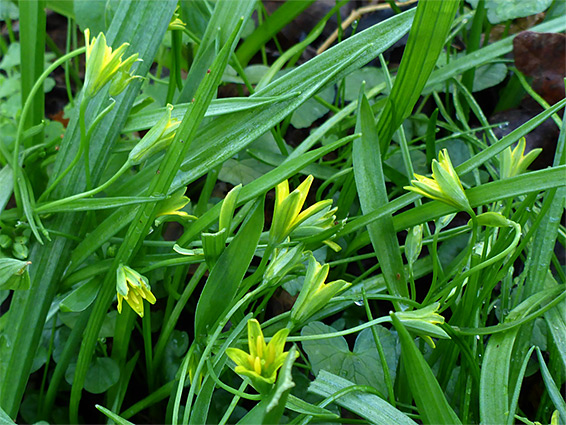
{"points": [[228, 273], [32, 47], [430, 28], [553, 391], [111, 415], [370, 183], [269, 28], [221, 24], [429, 397]]}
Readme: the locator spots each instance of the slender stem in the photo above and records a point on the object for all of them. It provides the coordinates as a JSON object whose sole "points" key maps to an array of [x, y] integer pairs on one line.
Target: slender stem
{"points": [[109, 182], [228, 388], [381, 352], [28, 103], [77, 157], [85, 145], [208, 350], [232, 405]]}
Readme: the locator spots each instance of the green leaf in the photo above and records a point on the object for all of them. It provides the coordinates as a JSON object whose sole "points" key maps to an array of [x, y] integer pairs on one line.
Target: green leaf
{"points": [[430, 28], [146, 119], [80, 298], [242, 171], [504, 10], [300, 406], [553, 391], [101, 375], [369, 406], [91, 14], [14, 274], [228, 272], [370, 183], [362, 366], [429, 397], [489, 75], [312, 110], [111, 415]]}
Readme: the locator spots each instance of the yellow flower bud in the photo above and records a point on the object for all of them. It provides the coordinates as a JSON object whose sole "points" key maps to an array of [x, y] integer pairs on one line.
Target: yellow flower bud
{"points": [[132, 287]]}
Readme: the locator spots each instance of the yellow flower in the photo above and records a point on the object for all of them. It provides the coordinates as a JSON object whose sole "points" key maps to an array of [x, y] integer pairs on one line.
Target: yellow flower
{"points": [[287, 213], [263, 361], [515, 162], [103, 64], [315, 294], [171, 209], [444, 186], [423, 322], [132, 287], [159, 137]]}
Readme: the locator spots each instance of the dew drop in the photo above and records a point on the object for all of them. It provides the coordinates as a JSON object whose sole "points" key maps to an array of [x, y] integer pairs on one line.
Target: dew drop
{"points": [[359, 303]]}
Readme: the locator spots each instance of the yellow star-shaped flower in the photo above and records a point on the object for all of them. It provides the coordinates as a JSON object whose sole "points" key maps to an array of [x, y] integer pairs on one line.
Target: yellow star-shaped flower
{"points": [[263, 361]]}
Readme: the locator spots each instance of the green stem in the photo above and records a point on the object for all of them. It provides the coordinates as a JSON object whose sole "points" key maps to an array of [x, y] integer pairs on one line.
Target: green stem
{"points": [[91, 128], [177, 310], [232, 405], [109, 182], [206, 353], [85, 145], [151, 399], [228, 388], [28, 103], [381, 352]]}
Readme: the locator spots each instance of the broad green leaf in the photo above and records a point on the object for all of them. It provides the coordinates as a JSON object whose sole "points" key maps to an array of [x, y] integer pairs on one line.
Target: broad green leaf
{"points": [[91, 14], [369, 406], [101, 375], [228, 273], [312, 110], [14, 274], [80, 298], [370, 184], [489, 75], [362, 365], [242, 171], [429, 396], [504, 10]]}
